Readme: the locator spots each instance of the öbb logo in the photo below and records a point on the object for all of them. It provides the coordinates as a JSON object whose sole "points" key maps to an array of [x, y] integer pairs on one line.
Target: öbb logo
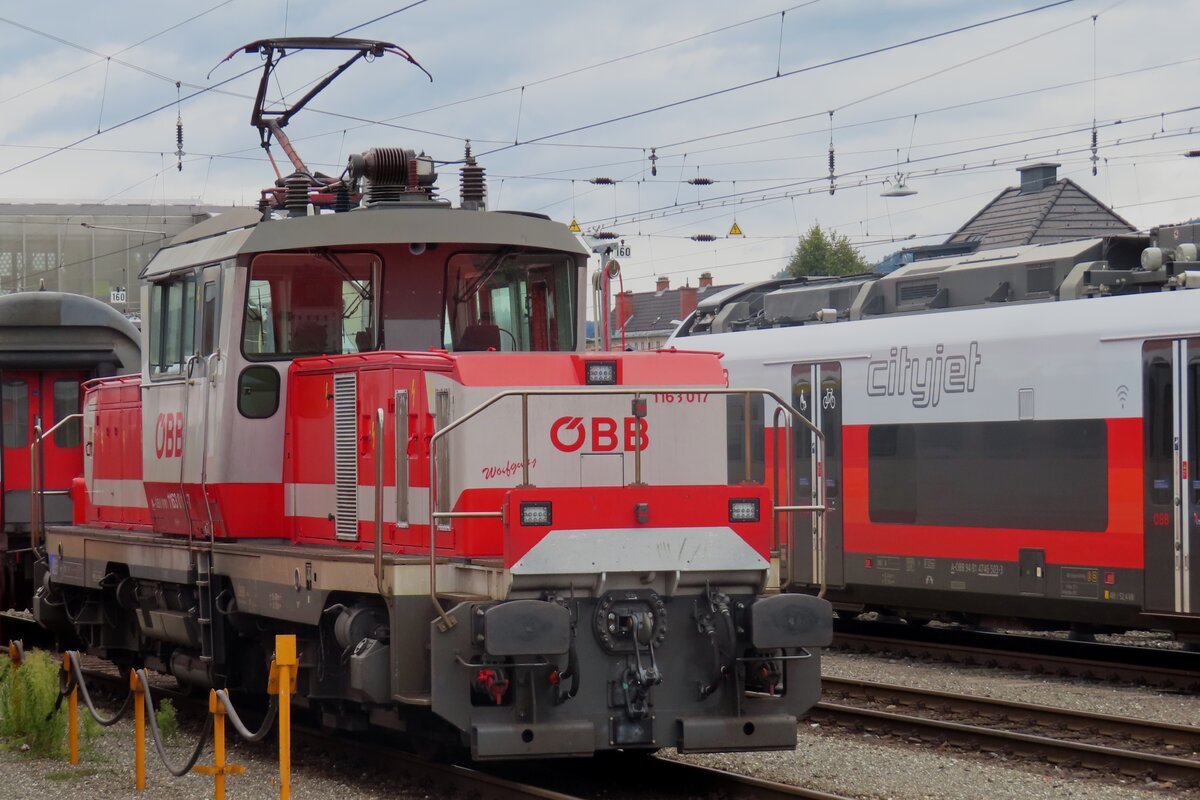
{"points": [[168, 435], [569, 434]]}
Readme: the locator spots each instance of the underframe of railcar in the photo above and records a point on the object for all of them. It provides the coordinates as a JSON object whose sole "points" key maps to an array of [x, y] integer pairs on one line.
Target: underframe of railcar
{"points": [[367, 658], [1006, 607]]}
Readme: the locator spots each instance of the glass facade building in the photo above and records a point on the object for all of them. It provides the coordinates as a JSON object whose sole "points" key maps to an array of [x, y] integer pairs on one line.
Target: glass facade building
{"points": [[90, 249]]}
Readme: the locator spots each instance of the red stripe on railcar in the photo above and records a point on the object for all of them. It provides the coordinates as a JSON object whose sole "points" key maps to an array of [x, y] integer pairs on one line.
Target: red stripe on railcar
{"points": [[1120, 545]]}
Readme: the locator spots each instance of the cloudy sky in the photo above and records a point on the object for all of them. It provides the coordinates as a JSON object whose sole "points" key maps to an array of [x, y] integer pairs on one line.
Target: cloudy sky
{"points": [[952, 95]]}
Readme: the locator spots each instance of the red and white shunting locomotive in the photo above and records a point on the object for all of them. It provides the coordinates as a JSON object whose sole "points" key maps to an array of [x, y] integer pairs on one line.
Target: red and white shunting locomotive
{"points": [[373, 425], [1012, 434]]}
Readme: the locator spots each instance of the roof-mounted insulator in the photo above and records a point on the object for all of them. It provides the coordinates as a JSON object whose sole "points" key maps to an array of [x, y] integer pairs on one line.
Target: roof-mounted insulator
{"points": [[473, 186], [703, 237], [296, 200], [701, 181], [394, 175], [602, 181]]}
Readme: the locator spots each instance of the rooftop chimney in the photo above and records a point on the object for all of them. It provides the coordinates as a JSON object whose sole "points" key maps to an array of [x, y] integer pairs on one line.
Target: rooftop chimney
{"points": [[663, 284], [705, 280], [687, 300], [1035, 177]]}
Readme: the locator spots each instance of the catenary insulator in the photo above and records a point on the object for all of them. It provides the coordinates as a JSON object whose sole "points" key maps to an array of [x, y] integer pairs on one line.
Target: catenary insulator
{"points": [[704, 237], [701, 181]]}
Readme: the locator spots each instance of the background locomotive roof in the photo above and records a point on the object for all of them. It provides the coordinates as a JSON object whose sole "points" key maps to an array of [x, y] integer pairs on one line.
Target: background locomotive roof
{"points": [[38, 329], [1058, 211], [369, 226], [658, 312]]}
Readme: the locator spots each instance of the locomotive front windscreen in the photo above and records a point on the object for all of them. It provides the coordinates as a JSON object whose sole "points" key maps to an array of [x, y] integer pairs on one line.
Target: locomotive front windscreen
{"points": [[510, 301], [329, 302]]}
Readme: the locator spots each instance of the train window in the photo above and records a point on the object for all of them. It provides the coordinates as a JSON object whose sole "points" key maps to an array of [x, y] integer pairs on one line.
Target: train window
{"points": [[510, 301], [14, 398], [172, 325], [1160, 433], [66, 403], [1194, 431], [736, 433], [208, 324], [258, 392], [1046, 474], [310, 304]]}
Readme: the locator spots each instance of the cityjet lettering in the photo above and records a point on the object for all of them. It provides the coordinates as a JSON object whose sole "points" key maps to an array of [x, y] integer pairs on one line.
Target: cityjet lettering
{"points": [[926, 378]]}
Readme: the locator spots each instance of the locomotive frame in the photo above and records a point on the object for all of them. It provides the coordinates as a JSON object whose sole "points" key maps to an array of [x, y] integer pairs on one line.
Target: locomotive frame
{"points": [[368, 421]]}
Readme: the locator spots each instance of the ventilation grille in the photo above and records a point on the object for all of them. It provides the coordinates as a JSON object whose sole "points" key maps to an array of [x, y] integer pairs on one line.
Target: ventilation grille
{"points": [[915, 292], [1039, 278], [345, 454]]}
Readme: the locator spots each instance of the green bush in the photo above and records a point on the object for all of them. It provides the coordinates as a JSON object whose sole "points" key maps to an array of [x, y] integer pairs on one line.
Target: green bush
{"points": [[27, 696], [168, 725]]}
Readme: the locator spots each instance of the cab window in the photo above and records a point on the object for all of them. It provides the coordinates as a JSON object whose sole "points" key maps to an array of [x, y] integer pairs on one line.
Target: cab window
{"points": [[172, 325], [310, 304], [510, 301]]}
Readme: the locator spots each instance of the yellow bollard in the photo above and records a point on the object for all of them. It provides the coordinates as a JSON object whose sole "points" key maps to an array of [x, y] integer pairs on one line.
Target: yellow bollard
{"points": [[139, 727], [219, 769], [281, 682], [72, 711]]}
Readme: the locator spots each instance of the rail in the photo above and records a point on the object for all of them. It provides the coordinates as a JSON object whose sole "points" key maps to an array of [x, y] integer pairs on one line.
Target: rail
{"points": [[37, 493], [445, 620]]}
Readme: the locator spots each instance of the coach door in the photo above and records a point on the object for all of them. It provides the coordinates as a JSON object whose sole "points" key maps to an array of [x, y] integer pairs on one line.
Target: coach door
{"points": [[817, 394], [26, 397], [1172, 490]]}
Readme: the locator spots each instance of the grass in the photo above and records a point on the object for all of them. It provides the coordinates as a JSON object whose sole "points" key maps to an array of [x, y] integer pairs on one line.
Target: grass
{"points": [[27, 696]]}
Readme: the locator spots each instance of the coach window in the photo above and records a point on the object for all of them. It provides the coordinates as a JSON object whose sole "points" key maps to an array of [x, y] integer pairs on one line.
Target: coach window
{"points": [[172, 325], [303, 304], [14, 398], [1040, 475], [66, 403]]}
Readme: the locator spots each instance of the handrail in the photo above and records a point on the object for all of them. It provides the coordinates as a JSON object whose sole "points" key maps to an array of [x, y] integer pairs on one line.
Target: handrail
{"points": [[37, 508], [379, 500], [445, 620]]}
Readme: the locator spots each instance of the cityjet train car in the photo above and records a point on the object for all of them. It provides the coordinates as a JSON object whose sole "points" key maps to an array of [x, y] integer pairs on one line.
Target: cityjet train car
{"points": [[1009, 434]]}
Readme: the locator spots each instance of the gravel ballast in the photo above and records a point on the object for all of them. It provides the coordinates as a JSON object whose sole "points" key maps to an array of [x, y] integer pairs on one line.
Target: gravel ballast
{"points": [[833, 760]]}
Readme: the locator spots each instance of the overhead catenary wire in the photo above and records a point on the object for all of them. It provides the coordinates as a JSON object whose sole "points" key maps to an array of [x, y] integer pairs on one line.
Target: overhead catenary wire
{"points": [[787, 74]]}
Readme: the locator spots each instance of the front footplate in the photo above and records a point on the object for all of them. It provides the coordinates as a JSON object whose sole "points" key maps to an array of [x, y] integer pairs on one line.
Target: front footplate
{"points": [[713, 734]]}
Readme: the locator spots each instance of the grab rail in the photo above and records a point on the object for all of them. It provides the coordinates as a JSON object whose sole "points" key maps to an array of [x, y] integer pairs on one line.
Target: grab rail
{"points": [[37, 494], [445, 620]]}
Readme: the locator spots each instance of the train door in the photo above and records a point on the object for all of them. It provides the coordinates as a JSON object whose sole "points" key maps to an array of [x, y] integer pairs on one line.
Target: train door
{"points": [[200, 425], [1172, 489], [29, 396], [817, 394]]}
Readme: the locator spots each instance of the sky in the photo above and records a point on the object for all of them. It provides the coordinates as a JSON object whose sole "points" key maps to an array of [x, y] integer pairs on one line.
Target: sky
{"points": [[948, 96]]}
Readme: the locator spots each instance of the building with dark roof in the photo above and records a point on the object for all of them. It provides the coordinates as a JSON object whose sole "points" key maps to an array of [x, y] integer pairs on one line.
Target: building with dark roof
{"points": [[650, 317], [1043, 209]]}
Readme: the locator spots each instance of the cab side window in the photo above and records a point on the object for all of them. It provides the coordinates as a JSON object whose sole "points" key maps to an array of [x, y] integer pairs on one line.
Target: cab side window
{"points": [[172, 325]]}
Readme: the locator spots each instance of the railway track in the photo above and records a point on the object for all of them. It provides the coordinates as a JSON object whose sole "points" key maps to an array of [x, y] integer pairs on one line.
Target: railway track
{"points": [[1176, 670], [1071, 738], [607, 777]]}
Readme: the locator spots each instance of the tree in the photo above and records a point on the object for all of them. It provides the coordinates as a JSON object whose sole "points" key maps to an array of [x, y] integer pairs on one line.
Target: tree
{"points": [[821, 253]]}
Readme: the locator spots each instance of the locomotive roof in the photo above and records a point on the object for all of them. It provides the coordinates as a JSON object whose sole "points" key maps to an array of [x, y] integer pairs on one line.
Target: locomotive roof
{"points": [[215, 240]]}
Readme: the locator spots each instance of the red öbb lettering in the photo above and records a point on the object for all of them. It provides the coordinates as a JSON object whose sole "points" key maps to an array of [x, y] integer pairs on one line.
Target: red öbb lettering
{"points": [[168, 435], [606, 434]]}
